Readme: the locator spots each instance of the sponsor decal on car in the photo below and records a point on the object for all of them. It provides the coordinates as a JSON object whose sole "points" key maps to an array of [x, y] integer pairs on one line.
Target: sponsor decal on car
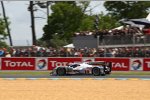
{"points": [[57, 62], [88, 59]]}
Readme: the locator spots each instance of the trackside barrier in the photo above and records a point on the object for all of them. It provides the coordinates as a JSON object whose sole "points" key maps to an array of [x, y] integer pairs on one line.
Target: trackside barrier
{"points": [[146, 64], [44, 63], [0, 63], [118, 64], [18, 64]]}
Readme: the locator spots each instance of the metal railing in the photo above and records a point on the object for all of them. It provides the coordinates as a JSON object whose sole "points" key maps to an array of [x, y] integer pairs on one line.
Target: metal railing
{"points": [[126, 39]]}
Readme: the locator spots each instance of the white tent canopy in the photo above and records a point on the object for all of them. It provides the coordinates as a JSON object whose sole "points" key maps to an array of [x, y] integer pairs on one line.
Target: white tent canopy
{"points": [[148, 17], [118, 28], [69, 46]]}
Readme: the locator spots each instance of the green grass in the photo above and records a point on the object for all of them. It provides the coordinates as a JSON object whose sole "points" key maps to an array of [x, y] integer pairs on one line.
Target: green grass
{"points": [[130, 73], [36, 73], [25, 72]]}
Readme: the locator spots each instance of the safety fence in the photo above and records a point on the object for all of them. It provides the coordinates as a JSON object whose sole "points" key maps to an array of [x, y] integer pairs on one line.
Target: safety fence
{"points": [[49, 63]]}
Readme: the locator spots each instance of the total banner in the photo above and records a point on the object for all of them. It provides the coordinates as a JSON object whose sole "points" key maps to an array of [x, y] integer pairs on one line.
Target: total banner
{"points": [[136, 64], [118, 64], [41, 64], [53, 62], [18, 64], [0, 63], [146, 64]]}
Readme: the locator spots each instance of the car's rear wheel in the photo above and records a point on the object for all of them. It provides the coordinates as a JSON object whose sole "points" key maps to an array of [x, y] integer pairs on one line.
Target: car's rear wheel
{"points": [[103, 74], [96, 71], [109, 67], [108, 70], [61, 71]]}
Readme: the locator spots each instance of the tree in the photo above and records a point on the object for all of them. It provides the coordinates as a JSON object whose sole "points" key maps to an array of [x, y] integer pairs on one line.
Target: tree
{"points": [[87, 23], [3, 34], [127, 9], [107, 22], [65, 19], [98, 22], [6, 23], [3, 44]]}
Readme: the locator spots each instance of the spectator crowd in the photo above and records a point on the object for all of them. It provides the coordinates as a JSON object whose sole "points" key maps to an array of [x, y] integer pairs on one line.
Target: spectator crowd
{"points": [[115, 32], [73, 52], [36, 51]]}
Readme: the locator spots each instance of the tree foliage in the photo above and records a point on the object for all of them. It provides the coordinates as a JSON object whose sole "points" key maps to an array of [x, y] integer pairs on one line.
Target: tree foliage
{"points": [[69, 17], [87, 23], [127, 9], [3, 44], [107, 22], [3, 34], [65, 19]]}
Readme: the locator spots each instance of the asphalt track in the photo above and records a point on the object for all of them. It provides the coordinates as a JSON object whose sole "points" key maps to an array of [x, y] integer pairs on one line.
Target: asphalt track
{"points": [[74, 76]]}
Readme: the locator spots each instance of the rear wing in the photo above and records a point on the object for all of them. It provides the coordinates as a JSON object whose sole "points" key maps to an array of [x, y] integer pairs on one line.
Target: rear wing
{"points": [[97, 63], [109, 64]]}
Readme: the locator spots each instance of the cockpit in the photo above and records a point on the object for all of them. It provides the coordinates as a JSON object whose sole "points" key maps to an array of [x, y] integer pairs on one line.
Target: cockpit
{"points": [[74, 65]]}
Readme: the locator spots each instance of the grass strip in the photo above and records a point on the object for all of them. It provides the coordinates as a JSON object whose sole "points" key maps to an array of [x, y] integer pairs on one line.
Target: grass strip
{"points": [[47, 73]]}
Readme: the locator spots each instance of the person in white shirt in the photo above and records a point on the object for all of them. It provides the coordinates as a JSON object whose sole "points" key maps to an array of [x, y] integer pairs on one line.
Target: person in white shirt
{"points": [[7, 54]]}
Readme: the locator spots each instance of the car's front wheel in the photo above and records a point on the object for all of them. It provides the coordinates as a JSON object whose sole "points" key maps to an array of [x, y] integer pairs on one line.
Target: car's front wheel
{"points": [[96, 71], [61, 71]]}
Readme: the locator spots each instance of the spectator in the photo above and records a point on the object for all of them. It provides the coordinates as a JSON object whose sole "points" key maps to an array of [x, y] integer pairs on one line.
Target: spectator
{"points": [[85, 52], [8, 54]]}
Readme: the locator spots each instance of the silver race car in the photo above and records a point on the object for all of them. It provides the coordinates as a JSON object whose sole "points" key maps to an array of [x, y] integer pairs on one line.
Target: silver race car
{"points": [[94, 68]]}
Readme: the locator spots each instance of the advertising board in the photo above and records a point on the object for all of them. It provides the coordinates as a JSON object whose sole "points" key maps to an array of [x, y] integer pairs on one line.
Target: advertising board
{"points": [[18, 64], [136, 64], [41, 64], [0, 63], [118, 64], [146, 64], [53, 62]]}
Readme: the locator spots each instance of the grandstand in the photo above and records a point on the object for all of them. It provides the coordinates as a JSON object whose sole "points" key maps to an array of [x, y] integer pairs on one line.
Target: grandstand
{"points": [[111, 41], [135, 32], [126, 37]]}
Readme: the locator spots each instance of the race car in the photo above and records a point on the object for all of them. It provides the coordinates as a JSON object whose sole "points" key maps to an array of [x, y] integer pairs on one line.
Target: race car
{"points": [[95, 68]]}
